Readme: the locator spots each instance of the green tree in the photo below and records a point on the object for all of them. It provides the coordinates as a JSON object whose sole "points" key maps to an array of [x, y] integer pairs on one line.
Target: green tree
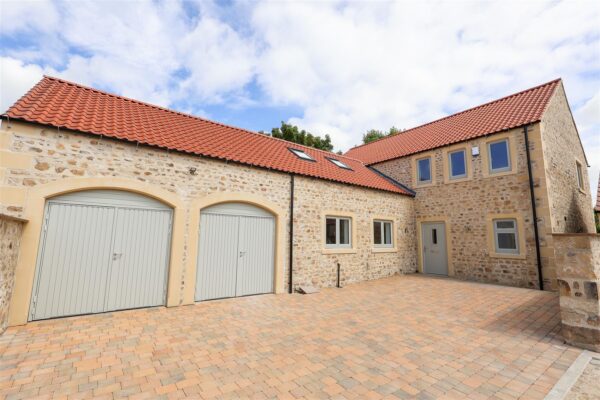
{"points": [[374, 134], [293, 134]]}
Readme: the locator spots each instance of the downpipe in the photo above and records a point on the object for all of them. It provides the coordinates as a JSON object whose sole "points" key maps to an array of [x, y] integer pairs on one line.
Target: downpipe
{"points": [[534, 209]]}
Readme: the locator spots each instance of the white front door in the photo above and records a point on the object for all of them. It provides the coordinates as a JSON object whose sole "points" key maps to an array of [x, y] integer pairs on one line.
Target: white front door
{"points": [[433, 239]]}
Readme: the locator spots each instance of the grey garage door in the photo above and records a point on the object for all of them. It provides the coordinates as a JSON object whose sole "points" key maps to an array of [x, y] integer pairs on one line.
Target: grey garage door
{"points": [[101, 250], [236, 251]]}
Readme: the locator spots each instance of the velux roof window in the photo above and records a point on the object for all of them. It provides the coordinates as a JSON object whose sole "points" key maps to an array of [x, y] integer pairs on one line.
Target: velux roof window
{"points": [[301, 154], [339, 163]]}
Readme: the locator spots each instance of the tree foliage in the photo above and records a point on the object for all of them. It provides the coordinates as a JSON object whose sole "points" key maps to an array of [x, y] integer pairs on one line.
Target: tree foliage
{"points": [[374, 134], [293, 134]]}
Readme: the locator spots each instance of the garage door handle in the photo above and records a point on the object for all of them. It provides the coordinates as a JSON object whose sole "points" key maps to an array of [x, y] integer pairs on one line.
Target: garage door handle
{"points": [[116, 256], [242, 253]]}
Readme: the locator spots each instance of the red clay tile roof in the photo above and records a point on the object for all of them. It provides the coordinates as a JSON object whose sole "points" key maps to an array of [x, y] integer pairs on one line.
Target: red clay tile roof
{"points": [[506, 113], [59, 103]]}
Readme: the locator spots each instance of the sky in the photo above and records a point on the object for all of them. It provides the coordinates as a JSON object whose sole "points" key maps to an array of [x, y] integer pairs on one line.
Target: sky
{"points": [[337, 67]]}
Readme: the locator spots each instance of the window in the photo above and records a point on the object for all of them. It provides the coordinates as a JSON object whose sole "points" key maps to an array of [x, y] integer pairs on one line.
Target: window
{"points": [[382, 233], [339, 163], [499, 156], [301, 154], [424, 170], [458, 164], [505, 236], [337, 232], [580, 176]]}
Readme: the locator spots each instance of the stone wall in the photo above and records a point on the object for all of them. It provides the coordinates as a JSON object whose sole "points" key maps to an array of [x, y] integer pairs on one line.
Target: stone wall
{"points": [[467, 204], [33, 155], [10, 237], [569, 205], [578, 270], [315, 198]]}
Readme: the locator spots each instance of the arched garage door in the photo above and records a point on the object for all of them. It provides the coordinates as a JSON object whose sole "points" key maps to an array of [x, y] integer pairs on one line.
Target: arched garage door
{"points": [[101, 250], [236, 251]]}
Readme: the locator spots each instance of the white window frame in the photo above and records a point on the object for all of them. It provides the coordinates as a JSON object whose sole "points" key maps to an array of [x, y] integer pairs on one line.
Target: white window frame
{"points": [[450, 175], [337, 244], [514, 230], [489, 150], [339, 163], [301, 154], [579, 172], [419, 181], [382, 223]]}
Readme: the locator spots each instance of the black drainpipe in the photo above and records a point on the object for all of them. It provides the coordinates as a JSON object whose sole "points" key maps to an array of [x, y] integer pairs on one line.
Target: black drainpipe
{"points": [[291, 253], [534, 209]]}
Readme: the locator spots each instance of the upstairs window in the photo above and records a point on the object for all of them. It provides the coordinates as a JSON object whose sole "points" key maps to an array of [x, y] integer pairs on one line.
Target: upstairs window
{"points": [[301, 154], [505, 236], [458, 164], [499, 156], [424, 170], [382, 233], [339, 163], [337, 232], [580, 181]]}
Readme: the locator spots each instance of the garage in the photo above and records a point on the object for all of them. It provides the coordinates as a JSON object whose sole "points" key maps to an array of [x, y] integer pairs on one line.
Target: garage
{"points": [[236, 251], [101, 250]]}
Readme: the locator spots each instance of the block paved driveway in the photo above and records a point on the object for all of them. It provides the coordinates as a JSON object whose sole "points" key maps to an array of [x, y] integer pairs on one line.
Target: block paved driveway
{"points": [[400, 337]]}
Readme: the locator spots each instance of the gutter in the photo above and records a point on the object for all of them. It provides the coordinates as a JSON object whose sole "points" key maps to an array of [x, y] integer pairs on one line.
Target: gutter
{"points": [[534, 209], [291, 249], [411, 192]]}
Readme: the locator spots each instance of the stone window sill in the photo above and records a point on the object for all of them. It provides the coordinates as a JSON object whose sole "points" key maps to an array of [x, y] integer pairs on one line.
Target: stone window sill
{"points": [[494, 174], [338, 251], [384, 250], [424, 185], [513, 256], [457, 180]]}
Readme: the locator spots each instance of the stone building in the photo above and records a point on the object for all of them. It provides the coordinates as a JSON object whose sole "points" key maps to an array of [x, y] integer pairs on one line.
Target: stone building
{"points": [[473, 183], [108, 203], [597, 208]]}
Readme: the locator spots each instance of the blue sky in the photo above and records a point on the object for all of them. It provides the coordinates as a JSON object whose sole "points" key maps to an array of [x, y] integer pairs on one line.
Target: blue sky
{"points": [[330, 67]]}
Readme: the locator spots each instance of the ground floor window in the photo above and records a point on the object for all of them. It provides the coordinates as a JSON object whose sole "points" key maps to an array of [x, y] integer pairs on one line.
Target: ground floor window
{"points": [[337, 232], [506, 236], [382, 233]]}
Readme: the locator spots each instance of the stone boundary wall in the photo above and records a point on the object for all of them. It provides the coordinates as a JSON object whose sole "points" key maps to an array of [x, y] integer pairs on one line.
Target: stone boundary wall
{"points": [[10, 239], [578, 269]]}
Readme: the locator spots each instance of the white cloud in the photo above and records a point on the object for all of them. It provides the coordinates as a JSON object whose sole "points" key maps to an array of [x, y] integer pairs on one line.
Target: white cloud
{"points": [[26, 15], [354, 66], [16, 78], [221, 61]]}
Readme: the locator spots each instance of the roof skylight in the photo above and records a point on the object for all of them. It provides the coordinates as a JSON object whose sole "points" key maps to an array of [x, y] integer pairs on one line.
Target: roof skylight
{"points": [[301, 154], [339, 163]]}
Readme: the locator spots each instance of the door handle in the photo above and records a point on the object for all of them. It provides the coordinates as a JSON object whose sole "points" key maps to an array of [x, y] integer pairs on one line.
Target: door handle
{"points": [[242, 253], [116, 256]]}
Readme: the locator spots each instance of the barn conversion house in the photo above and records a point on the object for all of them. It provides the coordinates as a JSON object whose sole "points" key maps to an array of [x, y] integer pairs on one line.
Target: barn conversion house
{"points": [[108, 203]]}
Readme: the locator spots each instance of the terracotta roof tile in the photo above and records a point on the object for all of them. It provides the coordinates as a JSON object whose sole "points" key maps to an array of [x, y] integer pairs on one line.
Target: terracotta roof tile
{"points": [[59, 103], [506, 113]]}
